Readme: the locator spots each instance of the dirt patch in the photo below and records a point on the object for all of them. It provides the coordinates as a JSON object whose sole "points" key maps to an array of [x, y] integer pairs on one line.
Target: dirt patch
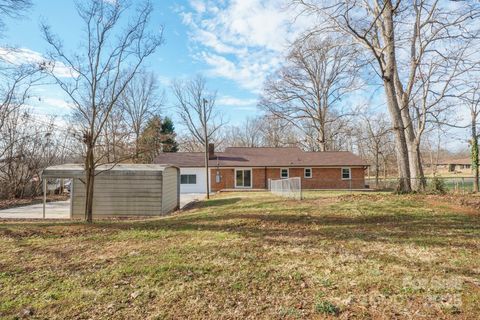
{"points": [[468, 204]]}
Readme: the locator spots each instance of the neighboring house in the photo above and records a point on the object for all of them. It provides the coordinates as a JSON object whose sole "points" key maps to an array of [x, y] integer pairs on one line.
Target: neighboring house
{"points": [[452, 165], [251, 168]]}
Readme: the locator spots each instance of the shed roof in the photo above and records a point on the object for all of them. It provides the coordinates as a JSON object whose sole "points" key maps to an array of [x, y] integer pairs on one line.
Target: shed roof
{"points": [[263, 157], [75, 170]]}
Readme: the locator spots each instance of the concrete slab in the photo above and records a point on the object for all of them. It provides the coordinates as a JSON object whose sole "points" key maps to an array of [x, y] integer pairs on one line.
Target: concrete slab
{"points": [[186, 198], [54, 210], [61, 209]]}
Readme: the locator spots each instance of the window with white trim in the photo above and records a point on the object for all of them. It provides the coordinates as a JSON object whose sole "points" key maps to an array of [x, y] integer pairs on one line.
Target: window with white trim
{"points": [[188, 179], [284, 173], [307, 173], [346, 173]]}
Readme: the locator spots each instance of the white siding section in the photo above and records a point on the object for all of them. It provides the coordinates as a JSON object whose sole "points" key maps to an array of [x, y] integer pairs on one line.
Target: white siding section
{"points": [[200, 186]]}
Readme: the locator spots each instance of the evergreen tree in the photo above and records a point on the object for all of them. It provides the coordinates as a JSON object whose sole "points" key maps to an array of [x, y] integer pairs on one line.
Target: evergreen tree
{"points": [[151, 139], [168, 136]]}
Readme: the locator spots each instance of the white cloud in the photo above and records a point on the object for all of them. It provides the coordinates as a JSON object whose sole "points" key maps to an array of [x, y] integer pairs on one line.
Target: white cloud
{"points": [[25, 56], [241, 40], [235, 102], [198, 5], [57, 103]]}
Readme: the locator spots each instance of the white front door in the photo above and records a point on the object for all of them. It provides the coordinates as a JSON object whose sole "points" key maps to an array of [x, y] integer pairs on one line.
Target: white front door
{"points": [[243, 178]]}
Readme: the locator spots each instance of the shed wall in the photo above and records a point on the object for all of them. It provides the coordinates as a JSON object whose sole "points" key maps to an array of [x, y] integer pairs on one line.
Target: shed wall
{"points": [[170, 190], [121, 194]]}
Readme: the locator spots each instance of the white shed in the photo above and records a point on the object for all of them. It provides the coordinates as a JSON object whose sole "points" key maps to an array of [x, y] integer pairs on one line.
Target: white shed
{"points": [[122, 189]]}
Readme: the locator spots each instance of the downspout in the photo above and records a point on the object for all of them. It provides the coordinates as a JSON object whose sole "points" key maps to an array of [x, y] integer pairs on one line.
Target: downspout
{"points": [[266, 181]]}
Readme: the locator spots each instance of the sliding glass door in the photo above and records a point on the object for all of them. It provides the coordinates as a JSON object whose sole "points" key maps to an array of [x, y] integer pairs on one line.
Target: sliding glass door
{"points": [[243, 178]]}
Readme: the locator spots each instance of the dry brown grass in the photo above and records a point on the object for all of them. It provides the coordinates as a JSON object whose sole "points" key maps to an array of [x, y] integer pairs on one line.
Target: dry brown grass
{"points": [[252, 256]]}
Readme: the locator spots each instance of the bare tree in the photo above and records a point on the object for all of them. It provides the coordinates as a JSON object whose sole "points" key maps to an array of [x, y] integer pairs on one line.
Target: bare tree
{"points": [[197, 116], [399, 38], [188, 143], [114, 142], [277, 132], [247, 134], [31, 146], [13, 9], [307, 91], [112, 54], [375, 131], [471, 98], [139, 102], [196, 109], [15, 89]]}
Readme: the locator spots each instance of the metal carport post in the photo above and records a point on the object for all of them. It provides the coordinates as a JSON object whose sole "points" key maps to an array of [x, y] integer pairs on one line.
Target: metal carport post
{"points": [[44, 195]]}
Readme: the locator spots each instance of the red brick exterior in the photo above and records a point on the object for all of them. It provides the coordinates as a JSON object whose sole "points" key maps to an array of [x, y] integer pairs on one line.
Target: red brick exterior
{"points": [[322, 178]]}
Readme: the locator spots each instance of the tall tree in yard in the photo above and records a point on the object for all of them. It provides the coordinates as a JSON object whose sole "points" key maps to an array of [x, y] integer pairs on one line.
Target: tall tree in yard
{"points": [[139, 102], [168, 136], [399, 38], [111, 54], [306, 92], [197, 111], [471, 98]]}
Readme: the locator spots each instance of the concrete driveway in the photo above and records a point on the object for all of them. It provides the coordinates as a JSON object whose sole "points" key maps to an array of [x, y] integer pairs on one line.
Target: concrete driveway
{"points": [[54, 210], [61, 209], [186, 198]]}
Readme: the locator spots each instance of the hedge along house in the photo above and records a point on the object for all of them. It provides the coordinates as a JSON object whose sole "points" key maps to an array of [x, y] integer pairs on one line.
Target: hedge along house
{"points": [[122, 189], [242, 168]]}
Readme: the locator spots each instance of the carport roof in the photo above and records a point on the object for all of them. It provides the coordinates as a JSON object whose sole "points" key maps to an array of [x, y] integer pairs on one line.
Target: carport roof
{"points": [[75, 170]]}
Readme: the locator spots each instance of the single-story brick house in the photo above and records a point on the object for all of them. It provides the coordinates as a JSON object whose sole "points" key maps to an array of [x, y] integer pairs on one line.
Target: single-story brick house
{"points": [[252, 168]]}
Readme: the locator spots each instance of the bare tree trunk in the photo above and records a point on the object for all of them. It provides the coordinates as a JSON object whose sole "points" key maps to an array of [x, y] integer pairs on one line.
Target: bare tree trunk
{"points": [[400, 140], [385, 172], [416, 169], [377, 169], [475, 159], [89, 182], [322, 143], [392, 102], [137, 145]]}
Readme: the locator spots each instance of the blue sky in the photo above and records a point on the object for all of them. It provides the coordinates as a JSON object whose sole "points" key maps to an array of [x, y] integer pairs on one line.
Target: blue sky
{"points": [[234, 45]]}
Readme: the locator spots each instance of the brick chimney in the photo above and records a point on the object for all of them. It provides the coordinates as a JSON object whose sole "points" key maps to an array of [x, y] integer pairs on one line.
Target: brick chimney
{"points": [[211, 151]]}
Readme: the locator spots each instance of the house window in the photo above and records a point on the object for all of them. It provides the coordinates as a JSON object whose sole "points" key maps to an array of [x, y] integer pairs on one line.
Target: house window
{"points": [[308, 173], [188, 179], [346, 173], [284, 173]]}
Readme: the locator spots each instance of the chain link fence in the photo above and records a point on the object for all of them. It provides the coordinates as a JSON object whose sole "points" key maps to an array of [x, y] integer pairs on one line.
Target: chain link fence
{"points": [[293, 187], [430, 184]]}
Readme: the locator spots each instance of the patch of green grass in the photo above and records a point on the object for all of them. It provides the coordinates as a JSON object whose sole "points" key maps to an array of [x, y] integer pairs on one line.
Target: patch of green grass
{"points": [[326, 307]]}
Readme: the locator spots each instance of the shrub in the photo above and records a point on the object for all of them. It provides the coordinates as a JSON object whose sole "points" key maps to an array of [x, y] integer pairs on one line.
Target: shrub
{"points": [[437, 186]]}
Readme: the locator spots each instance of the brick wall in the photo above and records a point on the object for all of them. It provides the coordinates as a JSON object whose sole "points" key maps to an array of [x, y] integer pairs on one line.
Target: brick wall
{"points": [[322, 178]]}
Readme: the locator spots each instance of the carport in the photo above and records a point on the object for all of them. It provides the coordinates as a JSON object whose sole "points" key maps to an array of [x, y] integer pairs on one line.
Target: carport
{"points": [[120, 190]]}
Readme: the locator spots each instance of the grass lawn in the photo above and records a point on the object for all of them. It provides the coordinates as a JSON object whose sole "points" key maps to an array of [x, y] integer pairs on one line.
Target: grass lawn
{"points": [[252, 255]]}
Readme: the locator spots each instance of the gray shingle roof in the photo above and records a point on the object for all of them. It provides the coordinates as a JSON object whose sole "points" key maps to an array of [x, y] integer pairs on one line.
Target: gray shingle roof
{"points": [[263, 157]]}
